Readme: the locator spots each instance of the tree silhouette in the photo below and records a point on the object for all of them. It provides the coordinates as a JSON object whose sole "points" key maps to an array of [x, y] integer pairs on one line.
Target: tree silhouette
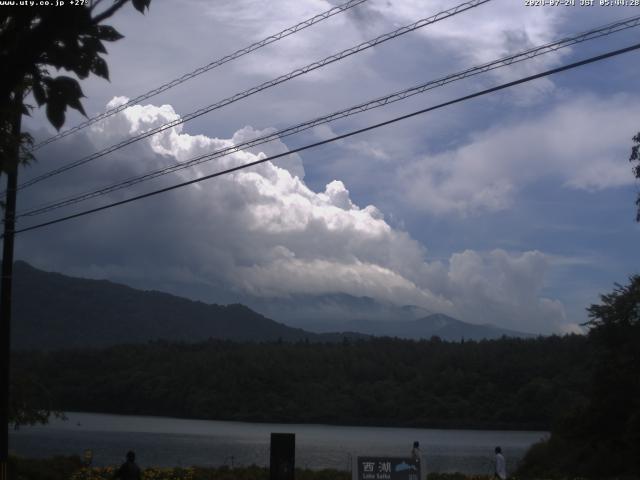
{"points": [[614, 412], [34, 41], [602, 439], [635, 157]]}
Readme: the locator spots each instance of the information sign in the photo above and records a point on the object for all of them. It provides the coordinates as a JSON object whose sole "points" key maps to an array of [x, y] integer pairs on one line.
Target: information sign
{"points": [[387, 468]]}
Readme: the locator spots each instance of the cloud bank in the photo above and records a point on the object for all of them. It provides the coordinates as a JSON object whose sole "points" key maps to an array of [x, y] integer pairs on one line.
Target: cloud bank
{"points": [[263, 232], [581, 143]]}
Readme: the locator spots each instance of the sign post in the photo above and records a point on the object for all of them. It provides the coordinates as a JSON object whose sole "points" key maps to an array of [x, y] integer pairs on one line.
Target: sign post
{"points": [[283, 456], [387, 468]]}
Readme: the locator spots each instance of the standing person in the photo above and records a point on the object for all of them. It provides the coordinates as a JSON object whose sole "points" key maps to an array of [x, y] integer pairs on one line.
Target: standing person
{"points": [[416, 456], [415, 452], [129, 470], [501, 465]]}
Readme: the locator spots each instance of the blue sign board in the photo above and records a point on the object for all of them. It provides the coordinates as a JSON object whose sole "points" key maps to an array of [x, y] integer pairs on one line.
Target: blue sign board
{"points": [[387, 468]]}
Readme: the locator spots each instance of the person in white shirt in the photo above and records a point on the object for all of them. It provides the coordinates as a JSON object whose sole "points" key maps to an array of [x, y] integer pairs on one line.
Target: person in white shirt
{"points": [[501, 465]]}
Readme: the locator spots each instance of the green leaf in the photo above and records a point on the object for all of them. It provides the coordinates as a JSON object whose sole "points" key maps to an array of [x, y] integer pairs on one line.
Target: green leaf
{"points": [[68, 86], [82, 65], [140, 5], [100, 68], [62, 92], [75, 104], [39, 93], [93, 45], [108, 33], [55, 113]]}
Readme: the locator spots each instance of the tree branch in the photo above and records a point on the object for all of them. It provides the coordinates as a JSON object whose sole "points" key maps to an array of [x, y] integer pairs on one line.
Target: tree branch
{"points": [[109, 11]]}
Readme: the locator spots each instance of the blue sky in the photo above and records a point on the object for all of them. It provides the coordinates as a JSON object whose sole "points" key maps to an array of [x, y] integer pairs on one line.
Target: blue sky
{"points": [[515, 208]]}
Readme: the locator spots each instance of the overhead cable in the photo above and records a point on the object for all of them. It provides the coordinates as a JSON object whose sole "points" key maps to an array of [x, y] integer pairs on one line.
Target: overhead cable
{"points": [[336, 138], [295, 73], [362, 107], [199, 71]]}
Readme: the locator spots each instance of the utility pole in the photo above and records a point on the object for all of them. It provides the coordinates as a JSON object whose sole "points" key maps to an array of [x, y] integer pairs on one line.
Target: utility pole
{"points": [[5, 287]]}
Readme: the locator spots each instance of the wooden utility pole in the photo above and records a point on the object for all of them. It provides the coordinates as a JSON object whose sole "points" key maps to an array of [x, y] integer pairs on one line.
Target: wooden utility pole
{"points": [[5, 288]]}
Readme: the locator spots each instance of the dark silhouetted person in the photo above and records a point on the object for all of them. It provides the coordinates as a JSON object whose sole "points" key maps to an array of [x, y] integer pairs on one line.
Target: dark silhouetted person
{"points": [[416, 456], [415, 452], [129, 470], [501, 465]]}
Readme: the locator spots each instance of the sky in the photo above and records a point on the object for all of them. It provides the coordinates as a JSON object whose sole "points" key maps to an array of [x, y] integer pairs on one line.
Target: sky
{"points": [[515, 208]]}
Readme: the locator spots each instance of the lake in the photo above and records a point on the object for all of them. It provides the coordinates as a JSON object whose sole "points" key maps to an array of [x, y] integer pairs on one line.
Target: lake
{"points": [[160, 441]]}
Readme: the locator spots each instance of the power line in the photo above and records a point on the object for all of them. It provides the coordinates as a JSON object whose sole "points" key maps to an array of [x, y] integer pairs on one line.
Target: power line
{"points": [[339, 137], [379, 102], [199, 71], [296, 73]]}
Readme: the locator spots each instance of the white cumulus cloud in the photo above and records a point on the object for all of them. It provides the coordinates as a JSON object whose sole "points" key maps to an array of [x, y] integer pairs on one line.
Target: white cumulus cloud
{"points": [[582, 143], [263, 231]]}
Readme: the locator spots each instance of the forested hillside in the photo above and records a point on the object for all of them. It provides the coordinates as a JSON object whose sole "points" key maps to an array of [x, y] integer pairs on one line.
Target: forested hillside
{"points": [[601, 438], [508, 383], [54, 311]]}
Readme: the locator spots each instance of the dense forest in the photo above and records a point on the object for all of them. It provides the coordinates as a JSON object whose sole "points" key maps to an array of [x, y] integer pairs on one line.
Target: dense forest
{"points": [[601, 438], [506, 383]]}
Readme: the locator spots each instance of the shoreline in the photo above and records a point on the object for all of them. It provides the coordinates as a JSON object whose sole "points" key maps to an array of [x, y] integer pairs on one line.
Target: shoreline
{"points": [[460, 427]]}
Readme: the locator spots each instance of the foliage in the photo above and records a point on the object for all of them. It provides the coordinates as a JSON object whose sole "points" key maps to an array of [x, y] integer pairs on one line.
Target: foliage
{"points": [[51, 311], [602, 439], [508, 383], [56, 468], [71, 468], [458, 476], [615, 398], [635, 157], [225, 473], [34, 40], [23, 392]]}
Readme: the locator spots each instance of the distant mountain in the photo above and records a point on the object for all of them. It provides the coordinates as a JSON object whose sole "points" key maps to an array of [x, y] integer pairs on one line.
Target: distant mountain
{"points": [[437, 324], [52, 311], [334, 309], [342, 312]]}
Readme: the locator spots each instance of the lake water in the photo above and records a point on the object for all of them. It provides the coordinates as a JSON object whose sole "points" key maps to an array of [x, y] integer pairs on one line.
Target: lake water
{"points": [[160, 441]]}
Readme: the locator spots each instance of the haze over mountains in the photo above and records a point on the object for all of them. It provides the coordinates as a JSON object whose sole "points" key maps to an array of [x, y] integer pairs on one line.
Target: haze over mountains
{"points": [[341, 312], [54, 311]]}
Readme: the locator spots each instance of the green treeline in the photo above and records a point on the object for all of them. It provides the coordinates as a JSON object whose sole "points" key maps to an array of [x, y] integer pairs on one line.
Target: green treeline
{"points": [[72, 468], [507, 383], [601, 439]]}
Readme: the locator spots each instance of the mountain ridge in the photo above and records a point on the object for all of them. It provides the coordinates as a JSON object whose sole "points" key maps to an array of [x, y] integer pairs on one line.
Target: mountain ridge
{"points": [[434, 325], [53, 311]]}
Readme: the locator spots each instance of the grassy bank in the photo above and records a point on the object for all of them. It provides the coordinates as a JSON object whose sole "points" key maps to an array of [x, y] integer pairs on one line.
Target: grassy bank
{"points": [[200, 473], [71, 468], [246, 473]]}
